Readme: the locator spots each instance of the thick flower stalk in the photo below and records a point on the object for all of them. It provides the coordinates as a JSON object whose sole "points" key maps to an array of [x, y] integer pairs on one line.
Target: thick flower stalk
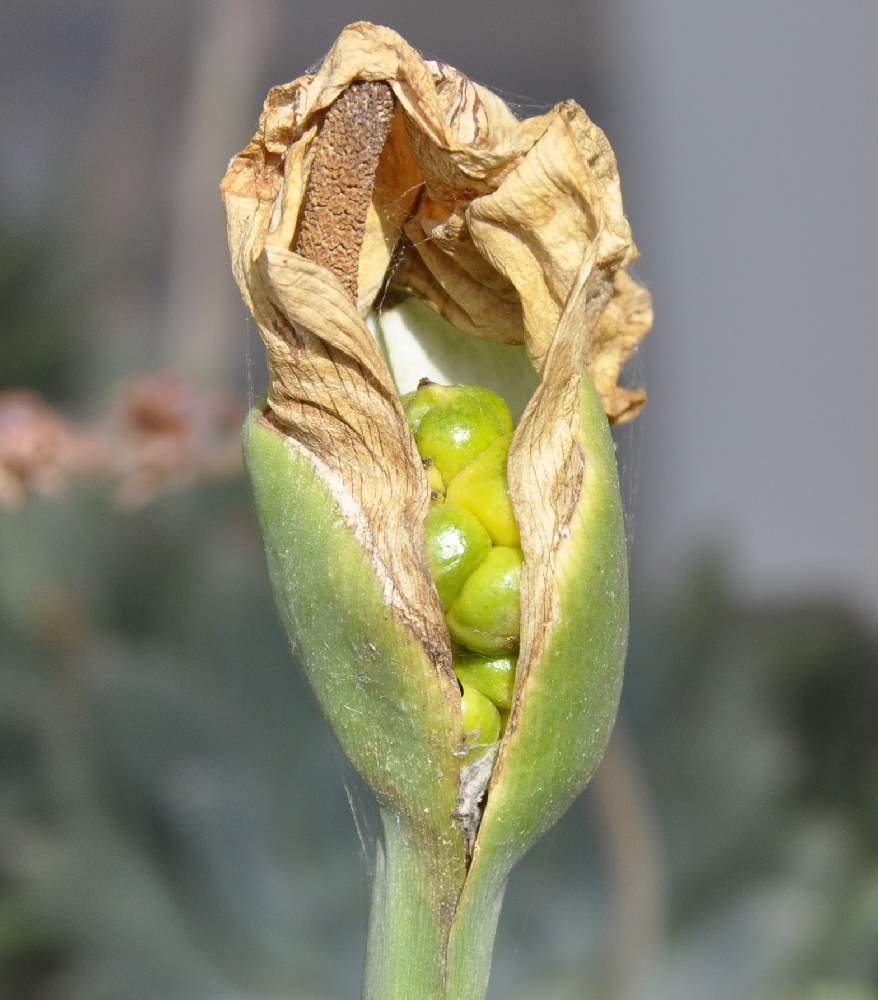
{"points": [[497, 251]]}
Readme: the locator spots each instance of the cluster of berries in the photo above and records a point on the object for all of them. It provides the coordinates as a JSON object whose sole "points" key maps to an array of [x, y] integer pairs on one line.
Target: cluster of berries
{"points": [[463, 435]]}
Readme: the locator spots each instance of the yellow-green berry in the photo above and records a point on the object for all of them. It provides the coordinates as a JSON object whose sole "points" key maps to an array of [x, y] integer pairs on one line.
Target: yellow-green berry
{"points": [[486, 616], [481, 720], [452, 436], [493, 676], [432, 394], [423, 399], [483, 488], [456, 544], [493, 404], [454, 424]]}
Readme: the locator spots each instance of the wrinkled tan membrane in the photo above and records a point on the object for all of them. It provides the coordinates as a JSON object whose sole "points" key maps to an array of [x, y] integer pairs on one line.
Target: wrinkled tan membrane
{"points": [[513, 230]]}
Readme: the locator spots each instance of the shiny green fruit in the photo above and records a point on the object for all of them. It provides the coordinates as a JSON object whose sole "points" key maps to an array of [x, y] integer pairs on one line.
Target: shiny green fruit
{"points": [[426, 397], [454, 424], [429, 395], [493, 676], [493, 404], [482, 487], [452, 436], [481, 720], [486, 616], [456, 545]]}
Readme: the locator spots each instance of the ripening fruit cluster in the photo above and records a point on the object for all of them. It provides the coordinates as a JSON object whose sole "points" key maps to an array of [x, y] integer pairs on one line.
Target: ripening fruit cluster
{"points": [[463, 435]]}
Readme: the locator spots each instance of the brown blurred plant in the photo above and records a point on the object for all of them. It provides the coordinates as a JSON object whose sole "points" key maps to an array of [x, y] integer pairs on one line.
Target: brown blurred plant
{"points": [[161, 433]]}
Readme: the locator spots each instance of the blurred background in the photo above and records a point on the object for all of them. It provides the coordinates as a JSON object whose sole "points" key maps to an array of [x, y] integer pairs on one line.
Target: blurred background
{"points": [[174, 818]]}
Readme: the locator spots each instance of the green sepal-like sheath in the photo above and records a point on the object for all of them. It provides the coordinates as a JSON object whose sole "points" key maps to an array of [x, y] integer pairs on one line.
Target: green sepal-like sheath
{"points": [[565, 705], [394, 716], [575, 615], [574, 686]]}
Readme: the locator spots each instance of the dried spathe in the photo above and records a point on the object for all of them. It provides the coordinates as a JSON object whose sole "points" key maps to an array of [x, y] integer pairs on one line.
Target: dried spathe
{"points": [[486, 217]]}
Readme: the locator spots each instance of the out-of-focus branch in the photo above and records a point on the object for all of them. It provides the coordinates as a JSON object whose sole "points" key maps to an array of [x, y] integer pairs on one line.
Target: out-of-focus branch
{"points": [[636, 869], [160, 434], [228, 56]]}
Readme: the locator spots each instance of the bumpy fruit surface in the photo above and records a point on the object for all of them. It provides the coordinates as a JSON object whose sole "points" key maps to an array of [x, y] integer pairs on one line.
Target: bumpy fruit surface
{"points": [[486, 616], [463, 434], [454, 424], [481, 720], [494, 676], [456, 544], [482, 487], [430, 395]]}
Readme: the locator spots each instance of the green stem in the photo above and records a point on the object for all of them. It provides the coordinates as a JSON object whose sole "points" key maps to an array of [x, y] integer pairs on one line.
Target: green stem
{"points": [[409, 920], [421, 946], [471, 942]]}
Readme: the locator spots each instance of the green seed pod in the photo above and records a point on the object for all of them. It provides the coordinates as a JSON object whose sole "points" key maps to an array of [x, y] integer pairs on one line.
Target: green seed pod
{"points": [[514, 232], [456, 545], [486, 615], [483, 488]]}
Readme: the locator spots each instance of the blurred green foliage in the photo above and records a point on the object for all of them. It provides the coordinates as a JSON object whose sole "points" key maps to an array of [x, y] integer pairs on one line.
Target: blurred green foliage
{"points": [[756, 724], [160, 766]]}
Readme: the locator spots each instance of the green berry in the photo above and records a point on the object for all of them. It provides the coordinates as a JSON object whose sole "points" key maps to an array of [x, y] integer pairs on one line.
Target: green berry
{"points": [[456, 544], [482, 487], [486, 616], [493, 676], [481, 720], [431, 394], [453, 424], [452, 436], [492, 404], [426, 397]]}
